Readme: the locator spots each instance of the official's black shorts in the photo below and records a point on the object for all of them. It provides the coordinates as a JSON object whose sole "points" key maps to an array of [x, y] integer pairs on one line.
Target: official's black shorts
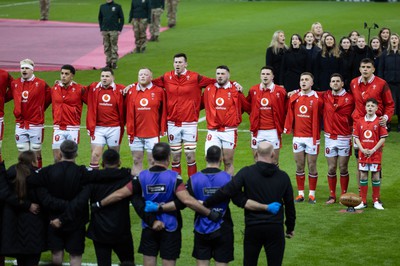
{"points": [[220, 248], [72, 241], [168, 243]]}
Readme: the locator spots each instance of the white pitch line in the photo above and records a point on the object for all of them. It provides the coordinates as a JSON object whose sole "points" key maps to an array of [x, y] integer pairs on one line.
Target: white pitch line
{"points": [[19, 4], [14, 262]]}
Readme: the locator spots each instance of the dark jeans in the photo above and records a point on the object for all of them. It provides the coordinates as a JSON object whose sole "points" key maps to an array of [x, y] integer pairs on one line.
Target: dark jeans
{"points": [[124, 251]]}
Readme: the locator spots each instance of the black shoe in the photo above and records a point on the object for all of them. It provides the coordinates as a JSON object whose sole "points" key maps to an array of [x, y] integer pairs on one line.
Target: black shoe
{"points": [[171, 25], [108, 65], [114, 66], [143, 49]]}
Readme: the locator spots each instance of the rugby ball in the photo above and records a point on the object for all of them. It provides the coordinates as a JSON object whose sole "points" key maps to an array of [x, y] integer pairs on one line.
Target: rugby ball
{"points": [[350, 199]]}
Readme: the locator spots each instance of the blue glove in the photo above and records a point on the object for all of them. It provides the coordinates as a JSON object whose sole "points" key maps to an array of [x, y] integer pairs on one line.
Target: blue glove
{"points": [[273, 207], [151, 206]]}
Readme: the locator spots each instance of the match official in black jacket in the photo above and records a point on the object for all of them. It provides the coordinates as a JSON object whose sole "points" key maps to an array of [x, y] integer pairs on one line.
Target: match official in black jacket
{"points": [[110, 226], [262, 189]]}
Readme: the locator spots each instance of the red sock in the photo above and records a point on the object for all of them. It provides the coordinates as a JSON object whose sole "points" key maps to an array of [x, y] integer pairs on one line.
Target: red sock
{"points": [[376, 190], [364, 190], [332, 180], [192, 168], [176, 167], [300, 179], [312, 181], [39, 162], [344, 182], [94, 166]]}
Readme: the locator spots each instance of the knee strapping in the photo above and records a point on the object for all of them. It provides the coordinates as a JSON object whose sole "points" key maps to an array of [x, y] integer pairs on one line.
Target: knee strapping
{"points": [[23, 147], [36, 147]]}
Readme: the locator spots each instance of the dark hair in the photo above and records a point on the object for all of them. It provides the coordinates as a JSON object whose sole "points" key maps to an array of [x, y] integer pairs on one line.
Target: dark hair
{"points": [[69, 67], [268, 67], [68, 149], [337, 75], [308, 74], [110, 157], [107, 69], [299, 37], [367, 61], [372, 100], [351, 32], [161, 151], [181, 55], [213, 154], [23, 170], [223, 67]]}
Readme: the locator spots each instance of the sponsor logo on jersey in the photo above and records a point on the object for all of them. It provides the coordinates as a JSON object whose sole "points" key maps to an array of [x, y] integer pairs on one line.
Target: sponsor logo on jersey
{"points": [[264, 102], [25, 95], [144, 102], [303, 109], [367, 134], [106, 98], [220, 101]]}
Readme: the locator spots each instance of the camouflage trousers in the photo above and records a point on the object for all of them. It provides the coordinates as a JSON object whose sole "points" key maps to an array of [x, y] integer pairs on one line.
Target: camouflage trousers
{"points": [[155, 21], [110, 42], [139, 29], [44, 9], [172, 8]]}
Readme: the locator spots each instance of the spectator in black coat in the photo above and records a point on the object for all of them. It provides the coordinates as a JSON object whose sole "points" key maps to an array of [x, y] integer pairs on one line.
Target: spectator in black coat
{"points": [[389, 70], [23, 233], [361, 51], [293, 64], [275, 53], [346, 61], [309, 42], [384, 37], [327, 63], [375, 45]]}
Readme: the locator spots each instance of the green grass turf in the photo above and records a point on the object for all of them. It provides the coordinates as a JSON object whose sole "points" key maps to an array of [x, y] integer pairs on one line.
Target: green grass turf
{"points": [[236, 33]]}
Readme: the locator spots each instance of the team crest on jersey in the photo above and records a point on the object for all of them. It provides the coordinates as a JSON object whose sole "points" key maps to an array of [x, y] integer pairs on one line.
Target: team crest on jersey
{"points": [[367, 134], [25, 94], [229, 95], [374, 87], [278, 95], [375, 127], [106, 98], [37, 84], [144, 102], [220, 101], [346, 100], [264, 102], [303, 109], [113, 9], [311, 102], [153, 95]]}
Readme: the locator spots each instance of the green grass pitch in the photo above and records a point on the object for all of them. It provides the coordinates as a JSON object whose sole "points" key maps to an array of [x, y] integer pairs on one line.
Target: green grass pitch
{"points": [[236, 33]]}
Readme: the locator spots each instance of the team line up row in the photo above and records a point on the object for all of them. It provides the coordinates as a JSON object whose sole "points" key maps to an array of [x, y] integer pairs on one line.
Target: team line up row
{"points": [[171, 103]]}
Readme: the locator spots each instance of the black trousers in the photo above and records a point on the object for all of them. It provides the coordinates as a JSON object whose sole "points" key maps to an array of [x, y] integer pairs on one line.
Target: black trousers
{"points": [[124, 251], [269, 236], [28, 259]]}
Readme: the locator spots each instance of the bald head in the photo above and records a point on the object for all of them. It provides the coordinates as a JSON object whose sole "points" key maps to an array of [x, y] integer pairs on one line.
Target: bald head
{"points": [[265, 152]]}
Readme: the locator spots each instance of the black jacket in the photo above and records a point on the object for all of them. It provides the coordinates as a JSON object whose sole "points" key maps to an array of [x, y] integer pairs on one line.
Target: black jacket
{"points": [[111, 17], [59, 184], [22, 232], [324, 67], [110, 224], [275, 61], [389, 67], [294, 63], [264, 183]]}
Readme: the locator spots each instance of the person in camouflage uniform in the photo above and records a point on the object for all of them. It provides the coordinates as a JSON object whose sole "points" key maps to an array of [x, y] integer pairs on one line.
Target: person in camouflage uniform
{"points": [[111, 22], [140, 16], [172, 8], [44, 9], [157, 8]]}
